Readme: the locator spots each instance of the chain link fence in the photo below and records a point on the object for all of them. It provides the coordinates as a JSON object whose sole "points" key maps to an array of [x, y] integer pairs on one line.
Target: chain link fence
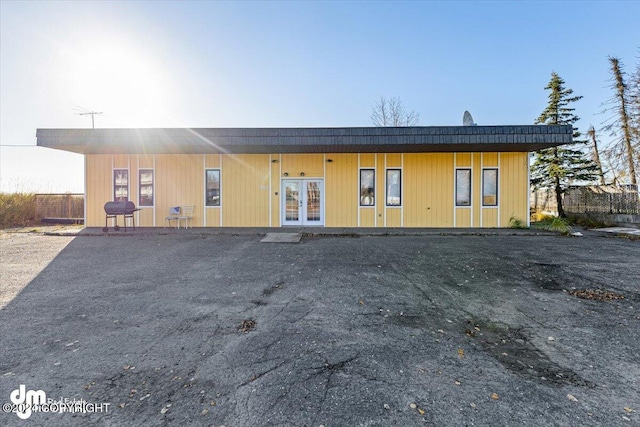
{"points": [[605, 199]]}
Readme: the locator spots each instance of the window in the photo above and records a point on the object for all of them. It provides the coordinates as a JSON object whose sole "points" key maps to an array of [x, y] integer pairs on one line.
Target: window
{"points": [[145, 183], [490, 187], [393, 187], [367, 187], [213, 187], [463, 187], [120, 185]]}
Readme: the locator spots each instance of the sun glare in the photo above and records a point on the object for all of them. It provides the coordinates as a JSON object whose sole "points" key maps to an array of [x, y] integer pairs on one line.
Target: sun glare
{"points": [[121, 82]]}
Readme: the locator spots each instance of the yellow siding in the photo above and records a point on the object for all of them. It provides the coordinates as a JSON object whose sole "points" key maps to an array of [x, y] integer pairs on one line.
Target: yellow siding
{"points": [[275, 188], [179, 182], [394, 216], [133, 181], [463, 217], [476, 188], [213, 216], [463, 160], [145, 161], [367, 217], [490, 217], [211, 213], [144, 217], [394, 160], [514, 188], [121, 161], [489, 159], [250, 184], [99, 189], [489, 214], [312, 165], [380, 191], [428, 190], [212, 161], [341, 191], [367, 160], [245, 190]]}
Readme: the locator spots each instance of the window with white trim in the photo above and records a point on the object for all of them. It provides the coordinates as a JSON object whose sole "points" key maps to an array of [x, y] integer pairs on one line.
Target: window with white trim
{"points": [[490, 187], [367, 187], [213, 187], [394, 187], [463, 187], [121, 185], [145, 187]]}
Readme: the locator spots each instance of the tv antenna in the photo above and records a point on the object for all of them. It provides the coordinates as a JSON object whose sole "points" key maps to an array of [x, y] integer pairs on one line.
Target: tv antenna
{"points": [[467, 120], [81, 111]]}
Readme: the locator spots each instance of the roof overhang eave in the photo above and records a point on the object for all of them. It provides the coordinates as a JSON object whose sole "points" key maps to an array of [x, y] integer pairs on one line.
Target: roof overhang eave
{"points": [[302, 149]]}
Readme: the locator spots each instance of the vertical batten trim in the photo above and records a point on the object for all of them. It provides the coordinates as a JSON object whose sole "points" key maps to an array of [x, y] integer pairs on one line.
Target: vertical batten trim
{"points": [[138, 181], [269, 198], [280, 199], [499, 190], [323, 192], [376, 197], [481, 187], [204, 193], [358, 190], [402, 186], [528, 184], [384, 198], [85, 190], [221, 192], [155, 190], [455, 167], [472, 188]]}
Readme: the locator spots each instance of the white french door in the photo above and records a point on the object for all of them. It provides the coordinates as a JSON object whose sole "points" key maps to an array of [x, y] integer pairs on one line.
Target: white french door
{"points": [[302, 202]]}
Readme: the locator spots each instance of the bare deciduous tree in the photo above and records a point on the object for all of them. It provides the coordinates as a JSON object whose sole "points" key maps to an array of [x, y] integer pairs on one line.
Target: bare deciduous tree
{"points": [[622, 126], [634, 108], [390, 112], [596, 153]]}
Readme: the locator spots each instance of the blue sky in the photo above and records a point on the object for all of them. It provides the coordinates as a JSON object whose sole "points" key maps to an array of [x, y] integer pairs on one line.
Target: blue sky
{"points": [[289, 64]]}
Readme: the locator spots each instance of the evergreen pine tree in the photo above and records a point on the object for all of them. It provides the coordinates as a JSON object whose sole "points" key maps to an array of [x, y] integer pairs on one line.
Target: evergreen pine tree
{"points": [[557, 167]]}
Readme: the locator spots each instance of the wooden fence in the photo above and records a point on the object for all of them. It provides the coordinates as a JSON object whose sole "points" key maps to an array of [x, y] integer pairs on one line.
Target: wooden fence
{"points": [[65, 207]]}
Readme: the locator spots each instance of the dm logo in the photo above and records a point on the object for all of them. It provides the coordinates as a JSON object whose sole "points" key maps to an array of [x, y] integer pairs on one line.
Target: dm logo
{"points": [[26, 400]]}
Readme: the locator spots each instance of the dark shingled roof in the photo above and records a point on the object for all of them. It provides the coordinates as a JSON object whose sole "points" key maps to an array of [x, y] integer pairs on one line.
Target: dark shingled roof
{"points": [[415, 139]]}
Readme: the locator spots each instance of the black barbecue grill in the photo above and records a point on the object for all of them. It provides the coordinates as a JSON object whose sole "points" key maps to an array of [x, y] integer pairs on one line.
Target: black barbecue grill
{"points": [[113, 209]]}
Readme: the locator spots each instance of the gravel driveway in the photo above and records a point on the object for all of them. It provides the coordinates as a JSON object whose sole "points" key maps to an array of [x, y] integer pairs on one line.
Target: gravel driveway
{"points": [[200, 329]]}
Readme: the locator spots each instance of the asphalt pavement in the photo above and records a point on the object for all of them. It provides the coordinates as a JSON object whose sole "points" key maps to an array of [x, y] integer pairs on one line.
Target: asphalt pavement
{"points": [[204, 329]]}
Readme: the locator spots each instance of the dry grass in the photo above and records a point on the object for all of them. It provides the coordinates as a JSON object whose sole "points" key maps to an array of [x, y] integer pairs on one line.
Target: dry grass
{"points": [[17, 210]]}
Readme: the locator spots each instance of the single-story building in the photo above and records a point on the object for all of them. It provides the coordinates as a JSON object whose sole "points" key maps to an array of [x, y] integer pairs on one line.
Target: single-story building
{"points": [[444, 176]]}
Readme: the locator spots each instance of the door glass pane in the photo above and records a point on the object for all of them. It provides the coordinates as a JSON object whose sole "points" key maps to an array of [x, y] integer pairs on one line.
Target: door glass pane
{"points": [[313, 201], [292, 191]]}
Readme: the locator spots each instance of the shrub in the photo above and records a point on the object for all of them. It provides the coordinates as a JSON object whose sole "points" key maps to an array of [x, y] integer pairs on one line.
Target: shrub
{"points": [[554, 223], [515, 222], [17, 209]]}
